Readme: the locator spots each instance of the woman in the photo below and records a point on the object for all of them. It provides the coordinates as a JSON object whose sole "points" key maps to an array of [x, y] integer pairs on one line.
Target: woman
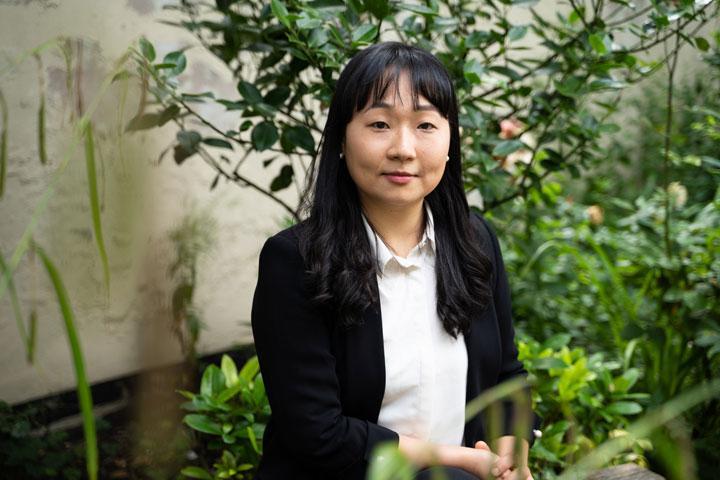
{"points": [[386, 310]]}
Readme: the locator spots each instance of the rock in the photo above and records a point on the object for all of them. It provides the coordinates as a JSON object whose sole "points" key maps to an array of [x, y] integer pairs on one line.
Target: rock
{"points": [[628, 471]]}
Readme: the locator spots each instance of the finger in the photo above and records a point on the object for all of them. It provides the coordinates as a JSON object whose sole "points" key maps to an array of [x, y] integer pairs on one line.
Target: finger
{"points": [[482, 445], [502, 464]]}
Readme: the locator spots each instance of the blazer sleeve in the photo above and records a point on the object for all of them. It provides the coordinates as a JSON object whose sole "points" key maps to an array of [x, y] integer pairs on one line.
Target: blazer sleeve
{"points": [[292, 340], [510, 365]]}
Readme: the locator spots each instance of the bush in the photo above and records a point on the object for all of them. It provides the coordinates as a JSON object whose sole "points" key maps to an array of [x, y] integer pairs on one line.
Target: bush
{"points": [[583, 400], [229, 414]]}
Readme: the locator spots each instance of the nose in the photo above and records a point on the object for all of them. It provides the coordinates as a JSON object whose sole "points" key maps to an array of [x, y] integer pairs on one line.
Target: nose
{"points": [[402, 146]]}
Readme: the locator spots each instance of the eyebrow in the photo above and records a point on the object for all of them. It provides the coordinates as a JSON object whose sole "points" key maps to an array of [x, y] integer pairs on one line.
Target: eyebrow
{"points": [[429, 107]]}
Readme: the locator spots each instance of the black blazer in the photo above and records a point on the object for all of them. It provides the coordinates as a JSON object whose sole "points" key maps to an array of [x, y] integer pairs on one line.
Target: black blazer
{"points": [[325, 384]]}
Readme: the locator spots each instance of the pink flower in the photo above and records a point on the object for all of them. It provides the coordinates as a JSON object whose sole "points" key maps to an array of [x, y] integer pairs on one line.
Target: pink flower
{"points": [[510, 128]]}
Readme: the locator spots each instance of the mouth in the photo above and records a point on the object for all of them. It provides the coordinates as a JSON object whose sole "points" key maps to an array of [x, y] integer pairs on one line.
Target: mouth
{"points": [[399, 178]]}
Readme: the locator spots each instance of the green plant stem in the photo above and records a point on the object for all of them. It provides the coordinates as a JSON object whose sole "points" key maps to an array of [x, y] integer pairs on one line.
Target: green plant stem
{"points": [[95, 200], [42, 146], [83, 388], [16, 309], [666, 157], [3, 142]]}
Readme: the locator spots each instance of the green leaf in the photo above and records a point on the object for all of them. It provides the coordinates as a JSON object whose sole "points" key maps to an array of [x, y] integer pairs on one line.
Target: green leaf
{"points": [[548, 363], [624, 408], [217, 142], [229, 371], [702, 44], [143, 122], [168, 114], [297, 136], [283, 180], [307, 23], [364, 34], [212, 382], [250, 369], [196, 472], [95, 202], [202, 423], [249, 92], [264, 135], [415, 8], [147, 49], [277, 96], [506, 71], [253, 440], [517, 32], [379, 8], [83, 388], [473, 71], [597, 43], [280, 11], [177, 60], [506, 147], [229, 393], [558, 341]]}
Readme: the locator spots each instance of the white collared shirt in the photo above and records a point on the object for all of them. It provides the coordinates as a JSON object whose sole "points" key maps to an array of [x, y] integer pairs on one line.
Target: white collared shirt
{"points": [[425, 367]]}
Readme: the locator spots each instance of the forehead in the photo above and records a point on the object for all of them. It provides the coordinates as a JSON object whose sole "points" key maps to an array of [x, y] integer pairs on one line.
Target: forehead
{"points": [[396, 92]]}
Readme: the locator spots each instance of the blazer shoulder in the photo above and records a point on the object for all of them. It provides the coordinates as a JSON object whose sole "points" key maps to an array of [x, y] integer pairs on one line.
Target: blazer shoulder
{"points": [[284, 246]]}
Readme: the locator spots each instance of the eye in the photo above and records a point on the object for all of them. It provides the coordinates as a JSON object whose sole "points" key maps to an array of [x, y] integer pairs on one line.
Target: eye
{"points": [[426, 126], [379, 125]]}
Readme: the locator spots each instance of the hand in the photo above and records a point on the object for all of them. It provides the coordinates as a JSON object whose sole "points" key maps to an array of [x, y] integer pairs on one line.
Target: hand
{"points": [[504, 466], [504, 469]]}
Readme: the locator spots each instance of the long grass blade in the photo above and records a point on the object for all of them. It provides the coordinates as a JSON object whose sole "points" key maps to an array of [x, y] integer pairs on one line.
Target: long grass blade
{"points": [[643, 427], [490, 396], [42, 147], [3, 143], [32, 337], [95, 201], [83, 388], [16, 307]]}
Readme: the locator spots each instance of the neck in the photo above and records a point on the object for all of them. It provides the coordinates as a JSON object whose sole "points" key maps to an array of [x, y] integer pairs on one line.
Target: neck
{"points": [[400, 227]]}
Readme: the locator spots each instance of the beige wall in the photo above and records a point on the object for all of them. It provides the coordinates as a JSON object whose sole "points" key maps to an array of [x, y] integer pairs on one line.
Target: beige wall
{"points": [[142, 203]]}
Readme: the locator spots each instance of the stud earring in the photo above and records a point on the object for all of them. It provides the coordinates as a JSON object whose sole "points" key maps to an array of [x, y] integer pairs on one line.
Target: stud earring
{"points": [[342, 155], [447, 159]]}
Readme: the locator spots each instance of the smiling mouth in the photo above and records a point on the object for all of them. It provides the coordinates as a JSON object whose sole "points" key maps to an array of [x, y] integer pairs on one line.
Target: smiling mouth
{"points": [[399, 178]]}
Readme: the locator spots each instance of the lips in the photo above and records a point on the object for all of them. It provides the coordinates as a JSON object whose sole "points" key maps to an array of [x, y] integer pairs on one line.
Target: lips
{"points": [[399, 178]]}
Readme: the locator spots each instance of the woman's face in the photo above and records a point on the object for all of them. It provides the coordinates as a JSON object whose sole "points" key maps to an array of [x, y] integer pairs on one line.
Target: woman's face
{"points": [[396, 155]]}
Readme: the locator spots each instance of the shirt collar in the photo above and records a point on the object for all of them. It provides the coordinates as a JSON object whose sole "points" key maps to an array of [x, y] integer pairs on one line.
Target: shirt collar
{"points": [[383, 253]]}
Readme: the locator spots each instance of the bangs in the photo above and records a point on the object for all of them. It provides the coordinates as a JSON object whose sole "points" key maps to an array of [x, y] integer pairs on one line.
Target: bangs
{"points": [[375, 74]]}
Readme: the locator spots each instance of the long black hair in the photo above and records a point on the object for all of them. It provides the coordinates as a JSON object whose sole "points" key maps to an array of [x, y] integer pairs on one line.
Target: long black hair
{"points": [[333, 239]]}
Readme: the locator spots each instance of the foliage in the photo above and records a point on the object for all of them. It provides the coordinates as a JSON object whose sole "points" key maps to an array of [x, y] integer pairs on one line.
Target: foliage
{"points": [[604, 273], [286, 57], [583, 400], [192, 239], [24, 455], [230, 413]]}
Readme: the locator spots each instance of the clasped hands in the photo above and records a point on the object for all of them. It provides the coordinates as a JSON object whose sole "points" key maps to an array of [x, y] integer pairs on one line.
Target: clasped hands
{"points": [[502, 465], [481, 461]]}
